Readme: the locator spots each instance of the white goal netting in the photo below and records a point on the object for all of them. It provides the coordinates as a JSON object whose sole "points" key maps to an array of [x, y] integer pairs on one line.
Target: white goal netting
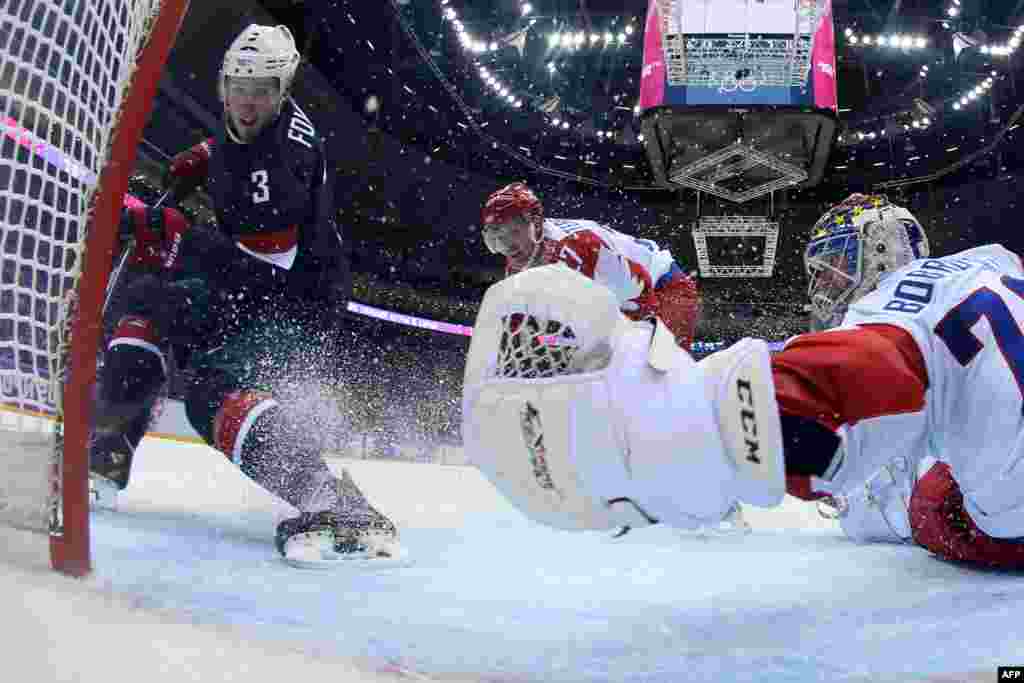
{"points": [[65, 69]]}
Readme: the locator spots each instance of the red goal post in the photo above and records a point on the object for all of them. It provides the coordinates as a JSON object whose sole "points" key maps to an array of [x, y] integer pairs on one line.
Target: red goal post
{"points": [[77, 81]]}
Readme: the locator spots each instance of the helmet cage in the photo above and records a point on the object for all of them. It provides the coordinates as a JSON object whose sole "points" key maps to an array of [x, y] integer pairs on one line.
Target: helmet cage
{"points": [[835, 269], [856, 244]]}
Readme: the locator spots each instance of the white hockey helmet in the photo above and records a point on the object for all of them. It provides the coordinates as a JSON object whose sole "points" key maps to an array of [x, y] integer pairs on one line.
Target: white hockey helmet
{"points": [[852, 247], [261, 52]]}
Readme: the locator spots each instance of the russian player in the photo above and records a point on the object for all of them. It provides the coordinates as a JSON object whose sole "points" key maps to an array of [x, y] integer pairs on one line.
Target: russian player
{"points": [[927, 363], [249, 309], [645, 278]]}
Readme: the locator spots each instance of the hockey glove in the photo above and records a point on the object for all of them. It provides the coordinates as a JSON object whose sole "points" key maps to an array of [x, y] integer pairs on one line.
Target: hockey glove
{"points": [[188, 170], [157, 233]]}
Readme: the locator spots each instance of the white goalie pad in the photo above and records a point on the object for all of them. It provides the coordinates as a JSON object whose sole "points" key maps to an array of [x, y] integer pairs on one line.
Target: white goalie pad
{"points": [[740, 387], [586, 420]]}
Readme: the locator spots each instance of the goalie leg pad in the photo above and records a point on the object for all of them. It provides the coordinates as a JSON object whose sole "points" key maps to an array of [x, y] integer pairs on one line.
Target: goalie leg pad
{"points": [[941, 524]]}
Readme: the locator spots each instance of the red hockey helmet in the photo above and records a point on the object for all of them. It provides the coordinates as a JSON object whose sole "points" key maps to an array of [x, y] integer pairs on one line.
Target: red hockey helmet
{"points": [[512, 201]]}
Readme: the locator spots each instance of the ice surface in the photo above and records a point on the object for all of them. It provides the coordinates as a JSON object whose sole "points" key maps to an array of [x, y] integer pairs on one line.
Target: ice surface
{"points": [[188, 587]]}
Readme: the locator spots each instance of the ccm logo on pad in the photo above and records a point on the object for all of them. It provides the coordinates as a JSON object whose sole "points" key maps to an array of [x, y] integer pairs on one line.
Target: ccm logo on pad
{"points": [[748, 420]]}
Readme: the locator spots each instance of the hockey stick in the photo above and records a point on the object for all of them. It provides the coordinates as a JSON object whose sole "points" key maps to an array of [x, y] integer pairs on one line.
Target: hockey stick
{"points": [[115, 274]]}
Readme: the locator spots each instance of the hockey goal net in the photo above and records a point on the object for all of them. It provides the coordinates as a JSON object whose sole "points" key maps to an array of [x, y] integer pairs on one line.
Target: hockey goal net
{"points": [[77, 78]]}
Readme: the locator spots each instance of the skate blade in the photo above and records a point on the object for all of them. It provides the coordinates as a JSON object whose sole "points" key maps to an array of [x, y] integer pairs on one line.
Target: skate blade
{"points": [[313, 551], [102, 493]]}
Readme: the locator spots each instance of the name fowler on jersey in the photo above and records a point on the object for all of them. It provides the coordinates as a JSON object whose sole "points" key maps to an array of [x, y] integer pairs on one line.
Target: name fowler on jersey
{"points": [[300, 129]]}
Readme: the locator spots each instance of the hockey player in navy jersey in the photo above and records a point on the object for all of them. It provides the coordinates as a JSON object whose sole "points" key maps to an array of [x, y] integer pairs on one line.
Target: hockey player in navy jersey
{"points": [[250, 309], [586, 420]]}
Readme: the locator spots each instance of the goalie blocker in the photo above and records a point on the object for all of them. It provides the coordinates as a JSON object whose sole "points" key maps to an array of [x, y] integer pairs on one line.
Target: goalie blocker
{"points": [[584, 419]]}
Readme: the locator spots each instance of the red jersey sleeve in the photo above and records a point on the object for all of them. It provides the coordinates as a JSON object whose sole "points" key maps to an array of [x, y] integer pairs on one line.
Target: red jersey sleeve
{"points": [[580, 251], [843, 376], [838, 378]]}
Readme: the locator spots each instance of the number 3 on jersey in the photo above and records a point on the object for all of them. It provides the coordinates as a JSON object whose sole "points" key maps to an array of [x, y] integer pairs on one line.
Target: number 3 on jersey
{"points": [[955, 328], [262, 193]]}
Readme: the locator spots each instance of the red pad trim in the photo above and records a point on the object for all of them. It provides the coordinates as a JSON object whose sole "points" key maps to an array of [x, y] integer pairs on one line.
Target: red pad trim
{"points": [[940, 523], [799, 485]]}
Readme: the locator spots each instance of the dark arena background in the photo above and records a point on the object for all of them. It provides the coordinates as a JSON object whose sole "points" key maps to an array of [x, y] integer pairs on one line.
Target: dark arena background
{"points": [[721, 130], [419, 137]]}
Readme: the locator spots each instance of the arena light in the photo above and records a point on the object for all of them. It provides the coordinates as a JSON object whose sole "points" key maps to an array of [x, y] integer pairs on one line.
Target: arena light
{"points": [[527, 8]]}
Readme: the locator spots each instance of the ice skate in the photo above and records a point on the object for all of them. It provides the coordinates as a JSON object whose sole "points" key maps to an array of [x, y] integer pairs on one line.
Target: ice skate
{"points": [[353, 534], [112, 450]]}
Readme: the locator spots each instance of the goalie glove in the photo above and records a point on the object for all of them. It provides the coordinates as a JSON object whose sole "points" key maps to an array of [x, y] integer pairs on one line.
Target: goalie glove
{"points": [[188, 170], [586, 420], [157, 233]]}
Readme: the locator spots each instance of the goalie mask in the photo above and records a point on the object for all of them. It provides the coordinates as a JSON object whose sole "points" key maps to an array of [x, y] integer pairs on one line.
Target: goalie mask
{"points": [[584, 419], [852, 247]]}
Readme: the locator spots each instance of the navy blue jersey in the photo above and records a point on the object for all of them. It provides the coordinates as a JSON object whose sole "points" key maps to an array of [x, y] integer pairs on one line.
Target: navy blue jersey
{"points": [[273, 199]]}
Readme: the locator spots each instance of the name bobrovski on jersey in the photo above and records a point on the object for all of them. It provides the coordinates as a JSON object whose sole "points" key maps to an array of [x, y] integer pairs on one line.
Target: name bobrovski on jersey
{"points": [[915, 289]]}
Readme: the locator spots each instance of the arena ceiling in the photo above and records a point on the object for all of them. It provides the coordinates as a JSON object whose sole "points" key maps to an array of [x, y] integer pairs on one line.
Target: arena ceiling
{"points": [[570, 108]]}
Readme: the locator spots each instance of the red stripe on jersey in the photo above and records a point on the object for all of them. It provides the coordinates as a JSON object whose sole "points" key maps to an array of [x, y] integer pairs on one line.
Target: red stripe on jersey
{"points": [[271, 242], [136, 327], [230, 418]]}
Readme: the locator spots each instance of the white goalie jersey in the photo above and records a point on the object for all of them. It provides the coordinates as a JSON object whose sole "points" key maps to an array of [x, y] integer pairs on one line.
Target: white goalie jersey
{"points": [[965, 313]]}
